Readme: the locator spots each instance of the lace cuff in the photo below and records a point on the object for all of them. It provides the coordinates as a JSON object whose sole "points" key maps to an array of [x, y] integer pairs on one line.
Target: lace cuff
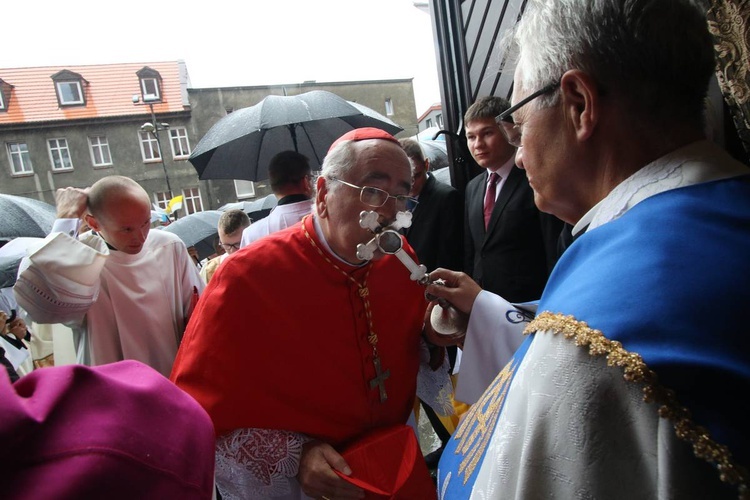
{"points": [[257, 463]]}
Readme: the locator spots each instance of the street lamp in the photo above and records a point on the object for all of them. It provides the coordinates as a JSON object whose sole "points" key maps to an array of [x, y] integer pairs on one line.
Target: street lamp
{"points": [[153, 128]]}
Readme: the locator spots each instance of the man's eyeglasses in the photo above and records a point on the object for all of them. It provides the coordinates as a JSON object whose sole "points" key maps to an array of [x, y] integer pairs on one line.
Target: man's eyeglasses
{"points": [[512, 131], [375, 197], [229, 247]]}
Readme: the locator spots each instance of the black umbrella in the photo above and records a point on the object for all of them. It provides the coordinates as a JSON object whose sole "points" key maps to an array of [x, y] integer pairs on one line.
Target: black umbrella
{"points": [[197, 230], [256, 209], [11, 254], [8, 270], [240, 145], [24, 217], [436, 152]]}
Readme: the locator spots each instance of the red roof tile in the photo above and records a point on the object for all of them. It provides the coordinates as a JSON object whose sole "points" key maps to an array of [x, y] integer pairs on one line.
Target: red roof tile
{"points": [[108, 88]]}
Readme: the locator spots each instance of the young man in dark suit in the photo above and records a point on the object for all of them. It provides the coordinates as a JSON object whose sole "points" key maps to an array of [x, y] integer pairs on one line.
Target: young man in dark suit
{"points": [[510, 246]]}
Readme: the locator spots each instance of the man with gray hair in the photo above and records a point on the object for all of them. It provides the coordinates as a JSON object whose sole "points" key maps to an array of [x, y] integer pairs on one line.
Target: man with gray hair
{"points": [[615, 390], [334, 333]]}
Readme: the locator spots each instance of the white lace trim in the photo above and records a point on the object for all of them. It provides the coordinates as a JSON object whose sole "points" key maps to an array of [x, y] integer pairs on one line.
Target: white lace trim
{"points": [[695, 163], [257, 463], [435, 387]]}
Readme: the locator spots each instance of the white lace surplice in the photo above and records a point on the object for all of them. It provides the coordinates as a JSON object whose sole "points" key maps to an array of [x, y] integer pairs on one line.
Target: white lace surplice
{"points": [[263, 463]]}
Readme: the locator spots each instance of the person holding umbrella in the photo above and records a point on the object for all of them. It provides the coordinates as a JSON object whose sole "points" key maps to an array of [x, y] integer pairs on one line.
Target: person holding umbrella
{"points": [[334, 339], [126, 291], [291, 180]]}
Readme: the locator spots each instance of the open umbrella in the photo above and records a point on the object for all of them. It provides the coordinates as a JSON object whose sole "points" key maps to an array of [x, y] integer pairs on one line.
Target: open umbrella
{"points": [[240, 145], [10, 257], [256, 209], [24, 217], [197, 230], [436, 152]]}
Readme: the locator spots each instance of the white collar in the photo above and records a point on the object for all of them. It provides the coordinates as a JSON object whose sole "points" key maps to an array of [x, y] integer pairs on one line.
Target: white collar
{"points": [[698, 162]]}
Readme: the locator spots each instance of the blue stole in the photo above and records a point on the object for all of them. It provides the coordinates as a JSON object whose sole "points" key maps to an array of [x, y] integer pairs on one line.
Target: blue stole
{"points": [[670, 280]]}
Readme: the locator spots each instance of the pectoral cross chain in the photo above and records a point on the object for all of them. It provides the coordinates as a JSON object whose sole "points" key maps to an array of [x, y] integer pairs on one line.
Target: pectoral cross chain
{"points": [[379, 379]]}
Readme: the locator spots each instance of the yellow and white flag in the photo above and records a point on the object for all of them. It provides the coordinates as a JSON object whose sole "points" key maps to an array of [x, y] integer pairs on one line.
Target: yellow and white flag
{"points": [[174, 204]]}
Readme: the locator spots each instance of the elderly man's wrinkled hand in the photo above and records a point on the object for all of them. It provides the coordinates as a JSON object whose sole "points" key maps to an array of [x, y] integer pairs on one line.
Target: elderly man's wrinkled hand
{"points": [[458, 288], [316, 473]]}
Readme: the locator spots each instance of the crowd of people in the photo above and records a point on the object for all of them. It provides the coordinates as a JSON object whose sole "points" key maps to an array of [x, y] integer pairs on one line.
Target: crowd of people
{"points": [[599, 264]]}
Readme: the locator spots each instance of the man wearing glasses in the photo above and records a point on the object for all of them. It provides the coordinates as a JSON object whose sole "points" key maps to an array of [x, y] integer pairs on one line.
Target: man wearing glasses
{"points": [[230, 227], [510, 247], [300, 346], [614, 391]]}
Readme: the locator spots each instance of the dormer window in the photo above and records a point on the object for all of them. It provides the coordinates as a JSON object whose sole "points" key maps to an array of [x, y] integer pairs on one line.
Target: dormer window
{"points": [[69, 88], [5, 89], [150, 84]]}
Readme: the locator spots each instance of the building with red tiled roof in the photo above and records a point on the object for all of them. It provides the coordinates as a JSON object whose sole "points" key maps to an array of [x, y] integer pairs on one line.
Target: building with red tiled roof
{"points": [[66, 126], [432, 118]]}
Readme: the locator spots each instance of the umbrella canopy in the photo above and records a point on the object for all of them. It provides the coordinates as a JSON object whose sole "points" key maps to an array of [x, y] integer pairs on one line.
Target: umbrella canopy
{"points": [[10, 257], [197, 230], [25, 217], [429, 134], [256, 209], [443, 175], [436, 152], [240, 145]]}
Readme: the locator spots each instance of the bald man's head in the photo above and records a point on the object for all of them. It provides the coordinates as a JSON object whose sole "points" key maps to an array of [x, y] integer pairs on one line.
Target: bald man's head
{"points": [[120, 211]]}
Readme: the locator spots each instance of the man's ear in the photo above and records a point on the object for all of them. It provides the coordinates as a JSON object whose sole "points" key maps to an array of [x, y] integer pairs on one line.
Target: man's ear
{"points": [[320, 194], [426, 164], [581, 102], [92, 222]]}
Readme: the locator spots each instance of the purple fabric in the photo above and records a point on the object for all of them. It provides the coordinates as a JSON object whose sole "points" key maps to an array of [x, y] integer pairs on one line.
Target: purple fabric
{"points": [[115, 431]]}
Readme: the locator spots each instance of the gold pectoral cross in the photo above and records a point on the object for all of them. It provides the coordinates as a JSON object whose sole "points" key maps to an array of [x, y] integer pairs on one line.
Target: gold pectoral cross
{"points": [[379, 379]]}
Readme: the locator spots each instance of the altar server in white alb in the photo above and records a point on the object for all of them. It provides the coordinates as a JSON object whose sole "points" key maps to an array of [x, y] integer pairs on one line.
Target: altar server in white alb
{"points": [[126, 291], [632, 381]]}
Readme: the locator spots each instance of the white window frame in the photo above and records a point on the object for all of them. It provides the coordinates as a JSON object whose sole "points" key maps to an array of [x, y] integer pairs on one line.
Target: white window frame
{"points": [[389, 107], [19, 157], [178, 139], [439, 120], [98, 144], [149, 147], [161, 198], [148, 93], [428, 124], [58, 149], [191, 200], [62, 94], [244, 189], [2, 99]]}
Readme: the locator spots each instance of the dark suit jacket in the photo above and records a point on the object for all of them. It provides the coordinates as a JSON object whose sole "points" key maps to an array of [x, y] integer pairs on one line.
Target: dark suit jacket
{"points": [[436, 232], [514, 257]]}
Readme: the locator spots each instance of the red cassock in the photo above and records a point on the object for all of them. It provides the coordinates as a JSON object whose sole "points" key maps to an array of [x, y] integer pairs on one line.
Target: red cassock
{"points": [[279, 340]]}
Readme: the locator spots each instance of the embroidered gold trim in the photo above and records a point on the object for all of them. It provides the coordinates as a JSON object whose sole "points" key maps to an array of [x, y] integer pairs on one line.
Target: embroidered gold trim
{"points": [[472, 440], [636, 371]]}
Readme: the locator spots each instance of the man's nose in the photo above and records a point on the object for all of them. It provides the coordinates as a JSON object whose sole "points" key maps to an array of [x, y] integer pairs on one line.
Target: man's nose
{"points": [[519, 157]]}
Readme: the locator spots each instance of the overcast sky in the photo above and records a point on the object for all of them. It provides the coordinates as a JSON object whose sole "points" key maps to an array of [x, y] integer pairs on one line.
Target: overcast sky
{"points": [[231, 42]]}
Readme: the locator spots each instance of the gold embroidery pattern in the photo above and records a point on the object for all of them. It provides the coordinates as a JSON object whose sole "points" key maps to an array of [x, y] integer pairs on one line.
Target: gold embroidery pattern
{"points": [[473, 436], [636, 371], [728, 23]]}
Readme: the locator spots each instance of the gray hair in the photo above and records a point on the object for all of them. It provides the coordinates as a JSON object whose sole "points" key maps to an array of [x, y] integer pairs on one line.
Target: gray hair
{"points": [[657, 55], [338, 161]]}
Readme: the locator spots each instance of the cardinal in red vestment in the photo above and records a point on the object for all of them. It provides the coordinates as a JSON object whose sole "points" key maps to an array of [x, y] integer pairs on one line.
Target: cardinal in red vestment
{"points": [[296, 332]]}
